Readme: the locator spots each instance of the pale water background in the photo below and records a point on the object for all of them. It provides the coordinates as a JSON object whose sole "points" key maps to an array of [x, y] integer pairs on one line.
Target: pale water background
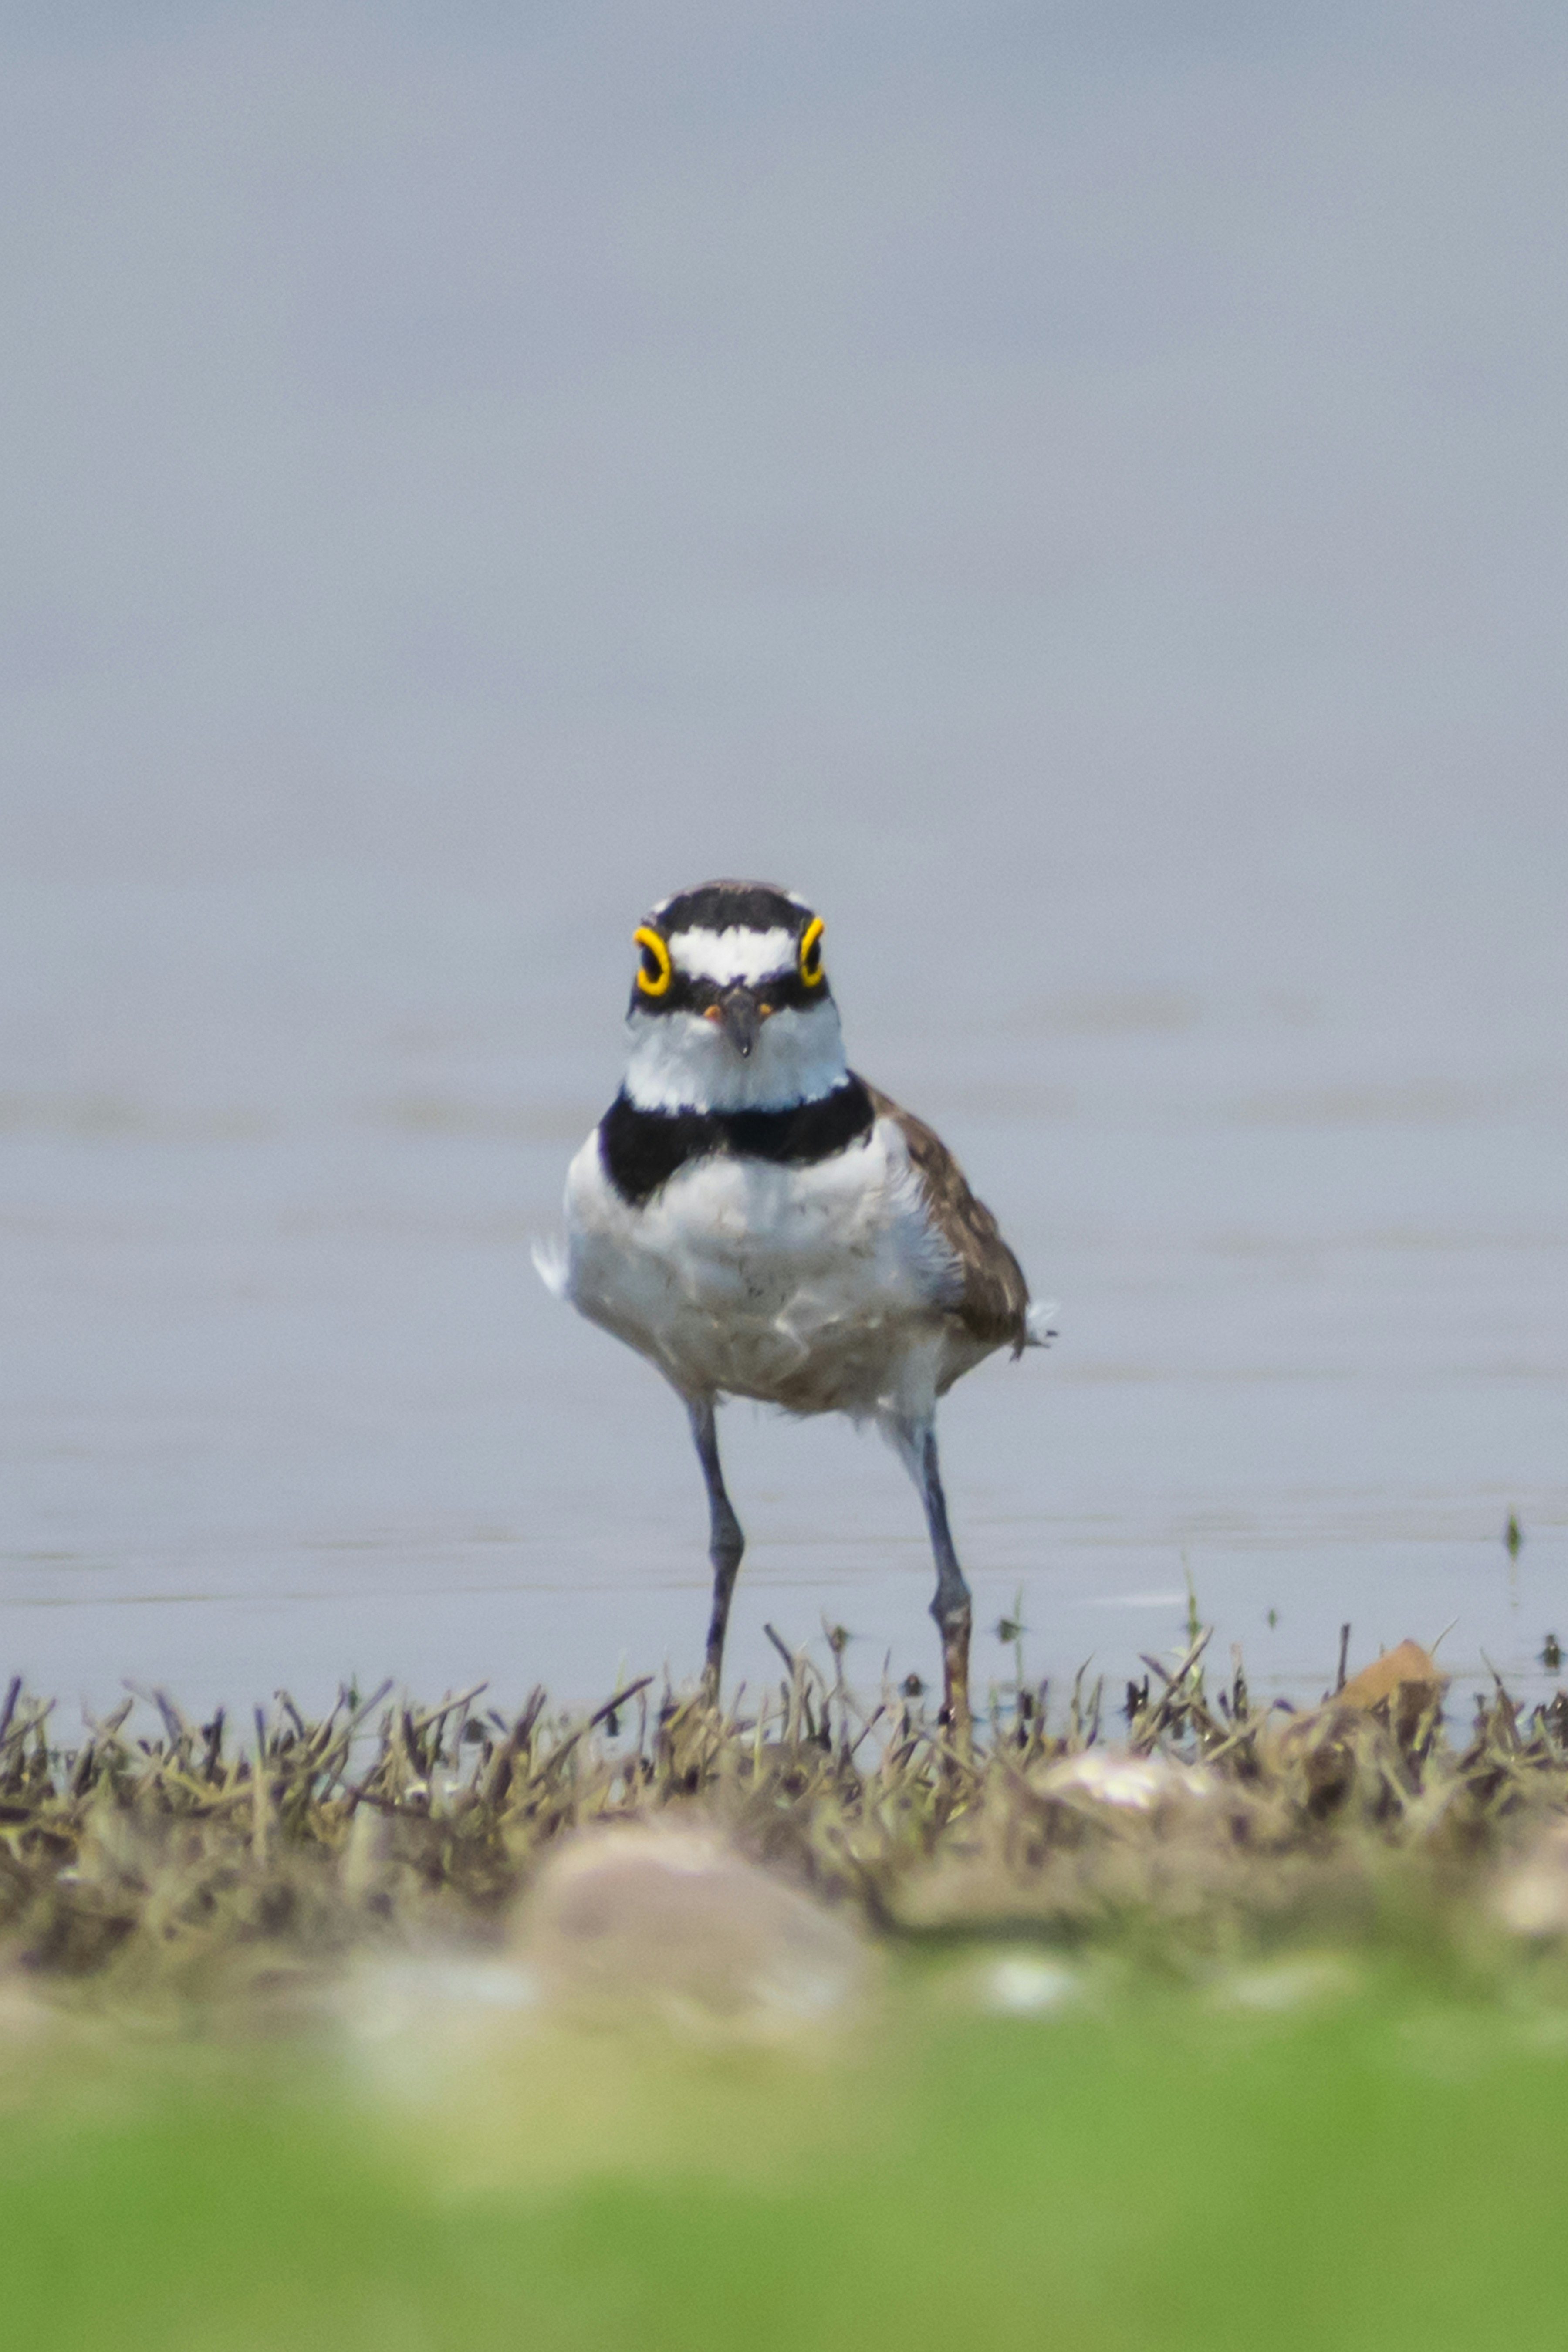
{"points": [[1078, 493]]}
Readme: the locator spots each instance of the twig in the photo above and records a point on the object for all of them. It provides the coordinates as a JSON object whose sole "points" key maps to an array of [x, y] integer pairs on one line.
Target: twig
{"points": [[1185, 1668], [436, 1714]]}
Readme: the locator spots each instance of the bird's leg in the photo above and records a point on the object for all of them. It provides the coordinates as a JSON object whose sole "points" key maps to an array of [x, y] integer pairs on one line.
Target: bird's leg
{"points": [[951, 1606], [725, 1541]]}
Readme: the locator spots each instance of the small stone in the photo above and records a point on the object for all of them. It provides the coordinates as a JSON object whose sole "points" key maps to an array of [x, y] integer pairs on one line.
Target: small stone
{"points": [[1021, 1984], [674, 1920], [1115, 1776], [1408, 1664], [1531, 1897]]}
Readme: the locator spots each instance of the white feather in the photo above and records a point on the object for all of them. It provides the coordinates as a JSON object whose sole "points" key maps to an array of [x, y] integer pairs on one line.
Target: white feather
{"points": [[819, 1288], [552, 1265], [1040, 1322], [681, 1062], [738, 955]]}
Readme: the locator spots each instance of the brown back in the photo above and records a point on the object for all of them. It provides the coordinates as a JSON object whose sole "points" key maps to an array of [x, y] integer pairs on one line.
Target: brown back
{"points": [[995, 1296]]}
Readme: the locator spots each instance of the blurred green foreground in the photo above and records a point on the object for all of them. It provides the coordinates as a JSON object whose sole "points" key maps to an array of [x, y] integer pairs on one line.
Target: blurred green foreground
{"points": [[1308, 2158]]}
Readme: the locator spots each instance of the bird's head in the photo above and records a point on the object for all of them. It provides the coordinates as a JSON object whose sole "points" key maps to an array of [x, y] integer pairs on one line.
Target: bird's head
{"points": [[731, 1007]]}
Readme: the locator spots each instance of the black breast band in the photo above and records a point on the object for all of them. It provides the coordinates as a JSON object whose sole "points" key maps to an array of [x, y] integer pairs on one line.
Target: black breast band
{"points": [[642, 1149]]}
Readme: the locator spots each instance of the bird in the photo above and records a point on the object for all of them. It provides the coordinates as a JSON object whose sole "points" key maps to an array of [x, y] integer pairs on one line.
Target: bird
{"points": [[758, 1221]]}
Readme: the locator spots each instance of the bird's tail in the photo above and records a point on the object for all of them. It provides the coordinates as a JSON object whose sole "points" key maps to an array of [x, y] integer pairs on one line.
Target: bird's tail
{"points": [[1040, 1323]]}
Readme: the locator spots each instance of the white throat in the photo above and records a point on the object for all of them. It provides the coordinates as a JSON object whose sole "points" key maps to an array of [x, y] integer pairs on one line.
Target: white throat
{"points": [[681, 1062]]}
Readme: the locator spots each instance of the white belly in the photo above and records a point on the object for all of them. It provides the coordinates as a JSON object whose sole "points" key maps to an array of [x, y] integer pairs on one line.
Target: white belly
{"points": [[822, 1289]]}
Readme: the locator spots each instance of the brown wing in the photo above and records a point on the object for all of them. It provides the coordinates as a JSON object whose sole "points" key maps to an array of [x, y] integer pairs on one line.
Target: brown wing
{"points": [[995, 1296]]}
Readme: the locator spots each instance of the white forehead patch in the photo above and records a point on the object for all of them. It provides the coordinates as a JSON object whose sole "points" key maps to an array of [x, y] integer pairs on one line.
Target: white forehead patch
{"points": [[733, 955]]}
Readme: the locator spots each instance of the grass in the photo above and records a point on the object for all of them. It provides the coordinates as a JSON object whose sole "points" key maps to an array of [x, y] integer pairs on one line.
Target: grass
{"points": [[180, 1858], [1211, 2034], [1381, 2168]]}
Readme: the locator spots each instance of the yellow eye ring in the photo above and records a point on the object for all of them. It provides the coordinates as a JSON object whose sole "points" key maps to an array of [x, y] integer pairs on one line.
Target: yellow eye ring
{"points": [[654, 983], [810, 970]]}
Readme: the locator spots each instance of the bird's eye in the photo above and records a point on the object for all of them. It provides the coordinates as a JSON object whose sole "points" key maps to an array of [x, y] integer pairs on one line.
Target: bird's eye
{"points": [[655, 971], [811, 953]]}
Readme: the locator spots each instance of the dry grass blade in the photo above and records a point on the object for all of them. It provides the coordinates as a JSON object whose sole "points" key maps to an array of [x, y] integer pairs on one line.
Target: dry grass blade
{"points": [[177, 1853]]}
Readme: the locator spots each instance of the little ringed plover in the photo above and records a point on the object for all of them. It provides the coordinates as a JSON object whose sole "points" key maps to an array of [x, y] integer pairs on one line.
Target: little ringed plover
{"points": [[758, 1221]]}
